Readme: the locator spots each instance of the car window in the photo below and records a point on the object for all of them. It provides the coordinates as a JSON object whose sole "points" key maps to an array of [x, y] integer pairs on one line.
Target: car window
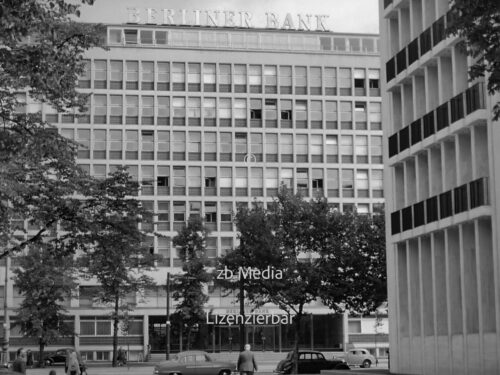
{"points": [[208, 359], [314, 356], [320, 356], [200, 358]]}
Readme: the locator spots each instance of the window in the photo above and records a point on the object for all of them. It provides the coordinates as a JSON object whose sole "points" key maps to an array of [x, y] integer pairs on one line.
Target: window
{"points": [[83, 139], [325, 43], [194, 77], [256, 112], [115, 36], [286, 113], [224, 112], [194, 181], [148, 110], [359, 82], [116, 81], [179, 107], [163, 79], [115, 144], [148, 145], [362, 183], [345, 83], [194, 111], [179, 180], [346, 115], [99, 144], [256, 146], [179, 145], [346, 149], [257, 182], [361, 149], [315, 81], [377, 183], [316, 114], [271, 147], [146, 36], [179, 212], [210, 146], [348, 183], [226, 147], [333, 182], [331, 114], [301, 148], [130, 36], [317, 148], [132, 75], [270, 79], [374, 82], [224, 78], [178, 76], [209, 111], [375, 117], [317, 182], [160, 37], [255, 78], [241, 182], [210, 180], [271, 113], [285, 79], [211, 215], [147, 183], [376, 149], [163, 110], [241, 146], [100, 74], [303, 181], [226, 217], [301, 114], [272, 182], [209, 75], [287, 178], [330, 81], [300, 80], [162, 181], [132, 109], [240, 112], [194, 146], [132, 148], [101, 108], [226, 181], [240, 78], [147, 75], [163, 146]]}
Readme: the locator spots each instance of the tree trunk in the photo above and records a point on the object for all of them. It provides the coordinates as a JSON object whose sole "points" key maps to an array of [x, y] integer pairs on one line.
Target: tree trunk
{"points": [[297, 319], [189, 338], [41, 346], [115, 330]]}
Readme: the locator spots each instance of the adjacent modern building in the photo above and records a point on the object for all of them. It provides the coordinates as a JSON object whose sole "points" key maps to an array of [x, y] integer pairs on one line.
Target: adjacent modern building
{"points": [[442, 190], [209, 117]]}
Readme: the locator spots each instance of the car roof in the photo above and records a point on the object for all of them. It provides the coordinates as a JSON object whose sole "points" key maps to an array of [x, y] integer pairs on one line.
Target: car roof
{"points": [[309, 351], [190, 352]]}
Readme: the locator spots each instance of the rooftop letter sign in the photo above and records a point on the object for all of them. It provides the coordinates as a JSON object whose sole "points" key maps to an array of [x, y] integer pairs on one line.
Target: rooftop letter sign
{"points": [[227, 18]]}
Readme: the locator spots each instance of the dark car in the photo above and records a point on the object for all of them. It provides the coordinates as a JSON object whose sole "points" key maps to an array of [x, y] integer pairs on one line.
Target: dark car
{"points": [[57, 358], [193, 363], [310, 362]]}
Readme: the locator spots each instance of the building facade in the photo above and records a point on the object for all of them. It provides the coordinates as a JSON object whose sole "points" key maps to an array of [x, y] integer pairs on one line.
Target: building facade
{"points": [[442, 194], [211, 118]]}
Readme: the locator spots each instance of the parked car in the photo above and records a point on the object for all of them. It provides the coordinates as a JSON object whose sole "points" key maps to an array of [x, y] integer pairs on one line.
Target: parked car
{"points": [[310, 362], [59, 357], [193, 363], [359, 357]]}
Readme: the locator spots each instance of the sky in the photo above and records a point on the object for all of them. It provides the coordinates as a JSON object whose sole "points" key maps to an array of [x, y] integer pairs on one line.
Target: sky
{"points": [[345, 16]]}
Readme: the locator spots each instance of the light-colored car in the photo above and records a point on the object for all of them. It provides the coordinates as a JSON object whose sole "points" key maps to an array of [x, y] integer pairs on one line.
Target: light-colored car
{"points": [[193, 363], [359, 357]]}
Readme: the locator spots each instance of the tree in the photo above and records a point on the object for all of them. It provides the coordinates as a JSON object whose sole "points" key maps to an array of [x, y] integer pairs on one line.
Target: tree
{"points": [[189, 287], [308, 242], [41, 49], [353, 263], [45, 279], [478, 23], [117, 253]]}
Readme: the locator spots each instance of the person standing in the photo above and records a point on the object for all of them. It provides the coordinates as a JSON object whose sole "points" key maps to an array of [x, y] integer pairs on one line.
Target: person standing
{"points": [[29, 358], [73, 365], [246, 362], [19, 364]]}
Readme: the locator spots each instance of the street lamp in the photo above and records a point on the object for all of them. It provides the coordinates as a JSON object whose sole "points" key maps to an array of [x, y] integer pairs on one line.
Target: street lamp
{"points": [[167, 328]]}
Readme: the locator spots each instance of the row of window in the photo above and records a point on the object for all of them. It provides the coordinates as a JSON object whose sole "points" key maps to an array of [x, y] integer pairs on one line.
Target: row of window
{"points": [[240, 40], [463, 198], [238, 78], [210, 146]]}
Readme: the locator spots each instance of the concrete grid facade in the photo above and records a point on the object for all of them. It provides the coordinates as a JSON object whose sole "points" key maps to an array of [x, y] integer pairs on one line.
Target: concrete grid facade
{"points": [[442, 194], [208, 119]]}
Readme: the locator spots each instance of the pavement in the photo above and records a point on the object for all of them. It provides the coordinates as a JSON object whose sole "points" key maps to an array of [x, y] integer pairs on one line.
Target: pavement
{"points": [[148, 368]]}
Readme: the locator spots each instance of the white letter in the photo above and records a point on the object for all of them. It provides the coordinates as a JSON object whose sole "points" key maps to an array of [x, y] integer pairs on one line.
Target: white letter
{"points": [[229, 18], [133, 15], [288, 23], [152, 14], [272, 21], [183, 16], [279, 274], [168, 18], [196, 17], [208, 319], [212, 20], [243, 273], [228, 274], [302, 22], [246, 19], [266, 274], [319, 22]]}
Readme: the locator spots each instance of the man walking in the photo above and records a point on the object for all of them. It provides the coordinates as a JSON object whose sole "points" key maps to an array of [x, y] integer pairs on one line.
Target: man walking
{"points": [[246, 362]]}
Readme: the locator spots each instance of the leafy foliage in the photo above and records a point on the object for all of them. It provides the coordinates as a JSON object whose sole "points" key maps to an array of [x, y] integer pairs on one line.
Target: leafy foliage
{"points": [[117, 252], [478, 23], [41, 48], [189, 287], [45, 280], [322, 255]]}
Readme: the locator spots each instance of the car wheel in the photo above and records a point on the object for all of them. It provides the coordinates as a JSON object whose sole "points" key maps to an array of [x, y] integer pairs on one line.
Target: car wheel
{"points": [[225, 372], [366, 363], [48, 362]]}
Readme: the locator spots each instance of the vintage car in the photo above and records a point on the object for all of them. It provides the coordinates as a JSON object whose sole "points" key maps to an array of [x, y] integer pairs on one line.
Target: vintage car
{"points": [[310, 362], [359, 357], [57, 358], [193, 363]]}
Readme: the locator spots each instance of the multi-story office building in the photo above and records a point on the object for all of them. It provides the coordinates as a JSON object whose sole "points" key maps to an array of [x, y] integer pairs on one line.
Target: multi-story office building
{"points": [[441, 190], [211, 118]]}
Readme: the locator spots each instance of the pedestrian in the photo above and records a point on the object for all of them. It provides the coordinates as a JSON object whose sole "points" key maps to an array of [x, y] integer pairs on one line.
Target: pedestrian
{"points": [[119, 356], [19, 364], [246, 362], [29, 358], [73, 365]]}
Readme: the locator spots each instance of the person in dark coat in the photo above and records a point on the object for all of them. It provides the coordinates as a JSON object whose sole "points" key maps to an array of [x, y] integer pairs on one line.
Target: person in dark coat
{"points": [[246, 362], [19, 364]]}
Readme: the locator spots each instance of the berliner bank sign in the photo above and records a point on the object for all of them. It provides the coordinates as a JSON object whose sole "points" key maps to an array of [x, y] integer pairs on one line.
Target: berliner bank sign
{"points": [[225, 18]]}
